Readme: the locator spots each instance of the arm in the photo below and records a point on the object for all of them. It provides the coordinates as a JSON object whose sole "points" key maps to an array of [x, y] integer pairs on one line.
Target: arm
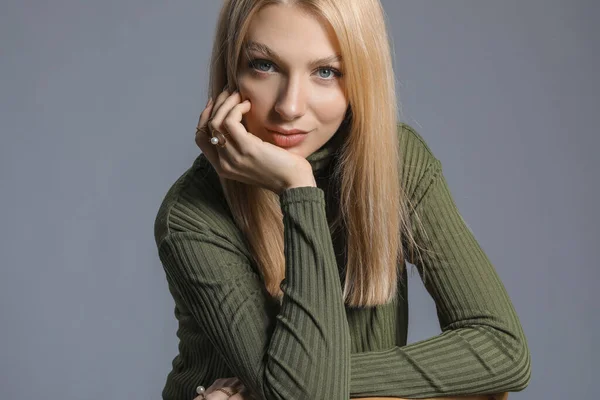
{"points": [[299, 352], [499, 396], [482, 348]]}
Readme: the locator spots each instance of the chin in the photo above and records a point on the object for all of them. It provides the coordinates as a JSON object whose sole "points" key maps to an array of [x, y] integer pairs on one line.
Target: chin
{"points": [[303, 149], [298, 150]]}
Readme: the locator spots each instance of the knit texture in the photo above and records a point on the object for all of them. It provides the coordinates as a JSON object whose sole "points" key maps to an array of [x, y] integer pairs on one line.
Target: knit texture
{"points": [[312, 346]]}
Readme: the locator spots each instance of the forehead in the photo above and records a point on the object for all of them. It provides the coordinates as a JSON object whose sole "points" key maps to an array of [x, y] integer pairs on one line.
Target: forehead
{"points": [[292, 32]]}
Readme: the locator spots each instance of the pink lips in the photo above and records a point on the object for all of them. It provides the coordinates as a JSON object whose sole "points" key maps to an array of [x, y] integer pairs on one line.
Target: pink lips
{"points": [[287, 138], [286, 131]]}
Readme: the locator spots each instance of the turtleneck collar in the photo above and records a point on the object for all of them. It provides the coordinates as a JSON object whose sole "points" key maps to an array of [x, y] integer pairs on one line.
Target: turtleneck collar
{"points": [[321, 159]]}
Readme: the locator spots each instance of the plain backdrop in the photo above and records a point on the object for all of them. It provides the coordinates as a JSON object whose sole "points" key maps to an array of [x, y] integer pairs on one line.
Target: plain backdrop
{"points": [[98, 104]]}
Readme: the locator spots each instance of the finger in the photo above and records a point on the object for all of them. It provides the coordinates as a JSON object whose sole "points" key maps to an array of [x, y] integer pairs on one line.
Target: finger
{"points": [[228, 390], [202, 137], [233, 123], [210, 152], [233, 127], [243, 394], [216, 123], [215, 106], [224, 95], [230, 383], [205, 114], [201, 128], [219, 394], [222, 382], [220, 114]]}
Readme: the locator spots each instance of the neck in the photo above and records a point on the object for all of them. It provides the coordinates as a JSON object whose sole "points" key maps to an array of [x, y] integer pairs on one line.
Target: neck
{"points": [[321, 159]]}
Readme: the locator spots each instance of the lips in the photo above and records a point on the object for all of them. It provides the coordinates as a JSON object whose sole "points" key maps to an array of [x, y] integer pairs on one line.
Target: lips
{"points": [[282, 131], [287, 138]]}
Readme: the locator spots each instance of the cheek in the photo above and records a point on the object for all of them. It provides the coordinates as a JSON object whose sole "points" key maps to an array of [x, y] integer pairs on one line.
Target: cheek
{"points": [[330, 106], [260, 96]]}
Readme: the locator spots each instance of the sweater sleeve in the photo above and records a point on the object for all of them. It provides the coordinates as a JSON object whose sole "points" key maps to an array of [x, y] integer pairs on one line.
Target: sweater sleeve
{"points": [[299, 351], [482, 348]]}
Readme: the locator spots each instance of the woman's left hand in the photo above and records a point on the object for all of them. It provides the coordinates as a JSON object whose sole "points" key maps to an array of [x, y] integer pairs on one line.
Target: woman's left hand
{"points": [[221, 388]]}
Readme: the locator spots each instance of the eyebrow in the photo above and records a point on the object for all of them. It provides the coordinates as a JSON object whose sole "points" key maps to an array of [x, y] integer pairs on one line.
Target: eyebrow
{"points": [[266, 50]]}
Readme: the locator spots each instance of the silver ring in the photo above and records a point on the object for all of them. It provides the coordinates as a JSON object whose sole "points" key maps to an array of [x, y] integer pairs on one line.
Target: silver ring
{"points": [[201, 390]]}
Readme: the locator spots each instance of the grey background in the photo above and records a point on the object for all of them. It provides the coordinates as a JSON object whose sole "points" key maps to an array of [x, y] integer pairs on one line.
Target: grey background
{"points": [[98, 103]]}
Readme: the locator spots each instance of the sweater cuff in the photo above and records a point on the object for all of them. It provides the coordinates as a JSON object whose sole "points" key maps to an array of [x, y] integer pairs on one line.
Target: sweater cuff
{"points": [[301, 194]]}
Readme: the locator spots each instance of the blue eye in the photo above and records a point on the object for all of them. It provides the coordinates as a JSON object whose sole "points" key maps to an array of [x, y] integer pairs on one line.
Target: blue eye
{"points": [[261, 65], [326, 73], [329, 73]]}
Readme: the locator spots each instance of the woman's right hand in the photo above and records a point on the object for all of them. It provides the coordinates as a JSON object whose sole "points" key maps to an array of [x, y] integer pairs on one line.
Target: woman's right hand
{"points": [[222, 387], [245, 157]]}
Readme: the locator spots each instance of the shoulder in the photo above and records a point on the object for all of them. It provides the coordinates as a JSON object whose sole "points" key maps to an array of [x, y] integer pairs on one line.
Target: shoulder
{"points": [[418, 164], [193, 203], [411, 140]]}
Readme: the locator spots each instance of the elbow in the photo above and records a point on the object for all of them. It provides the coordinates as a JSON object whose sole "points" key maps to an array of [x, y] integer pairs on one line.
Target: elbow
{"points": [[273, 388], [509, 365], [517, 366], [282, 381], [521, 369]]}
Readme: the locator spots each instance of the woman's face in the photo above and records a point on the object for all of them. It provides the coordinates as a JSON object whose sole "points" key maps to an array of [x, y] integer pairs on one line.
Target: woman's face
{"points": [[290, 71]]}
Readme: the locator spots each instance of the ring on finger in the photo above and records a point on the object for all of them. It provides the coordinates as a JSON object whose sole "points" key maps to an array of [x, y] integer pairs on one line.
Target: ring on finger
{"points": [[222, 139], [209, 128], [200, 129], [218, 139], [200, 390], [227, 392]]}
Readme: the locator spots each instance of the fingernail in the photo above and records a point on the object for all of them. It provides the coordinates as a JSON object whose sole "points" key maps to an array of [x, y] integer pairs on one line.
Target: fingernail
{"points": [[209, 102]]}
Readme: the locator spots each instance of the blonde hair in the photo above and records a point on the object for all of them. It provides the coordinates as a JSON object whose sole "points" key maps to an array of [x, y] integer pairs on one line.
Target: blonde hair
{"points": [[372, 206]]}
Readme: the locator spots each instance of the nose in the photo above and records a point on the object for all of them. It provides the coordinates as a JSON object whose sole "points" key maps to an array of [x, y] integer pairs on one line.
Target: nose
{"points": [[291, 102]]}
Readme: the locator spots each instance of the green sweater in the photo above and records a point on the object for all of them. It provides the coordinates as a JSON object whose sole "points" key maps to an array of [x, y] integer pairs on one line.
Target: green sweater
{"points": [[311, 346]]}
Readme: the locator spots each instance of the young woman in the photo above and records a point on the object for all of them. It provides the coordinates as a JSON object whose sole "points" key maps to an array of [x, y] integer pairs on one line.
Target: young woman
{"points": [[284, 244]]}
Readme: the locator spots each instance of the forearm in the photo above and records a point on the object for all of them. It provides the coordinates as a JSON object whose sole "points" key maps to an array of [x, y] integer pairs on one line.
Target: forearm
{"points": [[476, 360], [264, 343], [312, 316], [497, 396], [482, 348]]}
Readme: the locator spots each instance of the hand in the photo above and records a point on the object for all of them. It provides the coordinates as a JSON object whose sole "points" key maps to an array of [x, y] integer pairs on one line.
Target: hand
{"points": [[245, 157], [229, 385]]}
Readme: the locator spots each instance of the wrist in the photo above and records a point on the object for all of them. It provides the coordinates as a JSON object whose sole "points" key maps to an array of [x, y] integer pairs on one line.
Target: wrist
{"points": [[303, 178], [307, 183]]}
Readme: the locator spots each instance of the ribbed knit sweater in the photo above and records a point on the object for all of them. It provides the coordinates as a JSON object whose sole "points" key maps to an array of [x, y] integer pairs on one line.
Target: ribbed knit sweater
{"points": [[312, 346]]}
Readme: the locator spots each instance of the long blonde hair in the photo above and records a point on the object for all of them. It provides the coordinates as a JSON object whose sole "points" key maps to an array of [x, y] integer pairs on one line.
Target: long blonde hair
{"points": [[372, 204]]}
